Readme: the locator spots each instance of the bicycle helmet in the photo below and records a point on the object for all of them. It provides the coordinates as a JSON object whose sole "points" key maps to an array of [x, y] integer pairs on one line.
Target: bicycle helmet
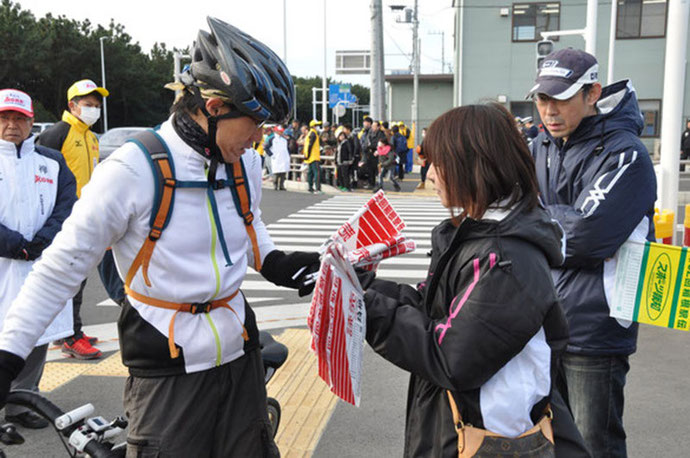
{"points": [[245, 73]]}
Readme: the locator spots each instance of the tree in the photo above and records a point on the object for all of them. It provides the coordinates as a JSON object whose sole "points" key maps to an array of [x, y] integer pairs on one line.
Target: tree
{"points": [[43, 57]]}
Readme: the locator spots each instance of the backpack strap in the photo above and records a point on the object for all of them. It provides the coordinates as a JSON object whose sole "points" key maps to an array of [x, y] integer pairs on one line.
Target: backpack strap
{"points": [[242, 198], [160, 160]]}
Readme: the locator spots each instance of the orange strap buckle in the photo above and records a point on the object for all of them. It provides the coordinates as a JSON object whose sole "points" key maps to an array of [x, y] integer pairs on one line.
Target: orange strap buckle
{"points": [[194, 308]]}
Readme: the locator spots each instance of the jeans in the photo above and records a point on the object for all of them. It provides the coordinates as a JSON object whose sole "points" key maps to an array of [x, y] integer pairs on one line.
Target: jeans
{"points": [[314, 175], [393, 178], [594, 391]]}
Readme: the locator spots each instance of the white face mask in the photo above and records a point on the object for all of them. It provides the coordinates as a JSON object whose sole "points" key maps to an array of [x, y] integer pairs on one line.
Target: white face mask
{"points": [[89, 115]]}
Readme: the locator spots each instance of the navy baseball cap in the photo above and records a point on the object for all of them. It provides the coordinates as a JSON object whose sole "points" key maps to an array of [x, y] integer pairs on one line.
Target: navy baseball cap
{"points": [[564, 72]]}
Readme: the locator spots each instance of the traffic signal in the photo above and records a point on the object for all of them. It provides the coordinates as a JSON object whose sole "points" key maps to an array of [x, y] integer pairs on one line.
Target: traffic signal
{"points": [[544, 48]]}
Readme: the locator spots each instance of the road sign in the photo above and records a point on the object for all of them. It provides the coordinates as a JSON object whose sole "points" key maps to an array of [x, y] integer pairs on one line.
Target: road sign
{"points": [[341, 93], [352, 62]]}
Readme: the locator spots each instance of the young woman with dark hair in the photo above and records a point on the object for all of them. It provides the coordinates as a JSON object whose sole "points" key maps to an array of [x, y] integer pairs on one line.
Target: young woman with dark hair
{"points": [[481, 335]]}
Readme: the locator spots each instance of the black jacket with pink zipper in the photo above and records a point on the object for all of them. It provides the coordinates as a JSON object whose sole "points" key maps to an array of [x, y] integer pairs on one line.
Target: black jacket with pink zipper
{"points": [[487, 294]]}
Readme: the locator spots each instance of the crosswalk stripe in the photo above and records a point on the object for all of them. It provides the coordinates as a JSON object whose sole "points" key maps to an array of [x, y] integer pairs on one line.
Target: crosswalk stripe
{"points": [[348, 213], [317, 241], [343, 218], [288, 223], [326, 234]]}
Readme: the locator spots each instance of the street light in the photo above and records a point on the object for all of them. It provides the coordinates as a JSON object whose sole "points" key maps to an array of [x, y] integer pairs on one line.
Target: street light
{"points": [[105, 99], [412, 17]]}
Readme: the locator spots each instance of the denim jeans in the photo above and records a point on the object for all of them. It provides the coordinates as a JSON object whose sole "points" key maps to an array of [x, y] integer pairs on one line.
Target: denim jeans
{"points": [[314, 175], [595, 387]]}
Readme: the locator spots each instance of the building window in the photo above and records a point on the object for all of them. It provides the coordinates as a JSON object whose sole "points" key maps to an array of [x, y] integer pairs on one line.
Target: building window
{"points": [[530, 19], [651, 110], [641, 19]]}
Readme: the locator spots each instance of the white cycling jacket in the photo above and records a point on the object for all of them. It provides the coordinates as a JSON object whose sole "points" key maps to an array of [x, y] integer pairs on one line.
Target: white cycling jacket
{"points": [[187, 264]]}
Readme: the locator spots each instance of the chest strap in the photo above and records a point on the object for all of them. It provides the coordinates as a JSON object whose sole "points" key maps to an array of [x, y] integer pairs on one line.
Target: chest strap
{"points": [[193, 308], [159, 159]]}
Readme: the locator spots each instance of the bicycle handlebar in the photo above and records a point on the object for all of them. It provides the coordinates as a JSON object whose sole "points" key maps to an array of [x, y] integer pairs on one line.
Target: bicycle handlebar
{"points": [[50, 412]]}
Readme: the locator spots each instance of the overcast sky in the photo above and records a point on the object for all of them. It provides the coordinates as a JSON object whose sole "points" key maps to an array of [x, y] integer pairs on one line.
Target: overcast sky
{"points": [[176, 23]]}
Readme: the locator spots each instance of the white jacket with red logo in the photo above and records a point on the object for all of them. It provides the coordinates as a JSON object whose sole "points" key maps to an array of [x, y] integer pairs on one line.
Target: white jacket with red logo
{"points": [[38, 192]]}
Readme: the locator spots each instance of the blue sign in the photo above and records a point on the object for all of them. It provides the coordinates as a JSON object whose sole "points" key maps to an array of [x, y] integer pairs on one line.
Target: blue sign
{"points": [[340, 93]]}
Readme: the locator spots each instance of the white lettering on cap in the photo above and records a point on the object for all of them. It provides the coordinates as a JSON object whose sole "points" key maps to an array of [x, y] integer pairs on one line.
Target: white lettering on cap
{"points": [[555, 71]]}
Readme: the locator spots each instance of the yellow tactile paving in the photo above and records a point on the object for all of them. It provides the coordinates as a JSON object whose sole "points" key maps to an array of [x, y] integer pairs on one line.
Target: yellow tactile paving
{"points": [[306, 401], [57, 374], [110, 367]]}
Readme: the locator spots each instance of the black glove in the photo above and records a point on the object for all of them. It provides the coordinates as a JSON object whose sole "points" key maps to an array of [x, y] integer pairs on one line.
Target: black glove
{"points": [[365, 277], [35, 247], [20, 251], [10, 367], [280, 268]]}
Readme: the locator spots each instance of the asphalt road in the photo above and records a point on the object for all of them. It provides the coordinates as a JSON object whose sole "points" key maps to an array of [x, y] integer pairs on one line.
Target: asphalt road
{"points": [[656, 401]]}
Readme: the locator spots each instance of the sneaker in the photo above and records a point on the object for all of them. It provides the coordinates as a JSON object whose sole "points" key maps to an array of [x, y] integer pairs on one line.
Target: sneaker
{"points": [[92, 340], [81, 349]]}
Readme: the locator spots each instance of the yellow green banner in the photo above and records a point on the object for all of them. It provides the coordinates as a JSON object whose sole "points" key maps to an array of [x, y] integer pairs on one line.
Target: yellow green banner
{"points": [[652, 285]]}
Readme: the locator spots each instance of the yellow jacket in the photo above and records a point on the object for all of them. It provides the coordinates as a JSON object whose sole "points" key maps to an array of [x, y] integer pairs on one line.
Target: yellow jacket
{"points": [[259, 147], [315, 149], [77, 144], [410, 139]]}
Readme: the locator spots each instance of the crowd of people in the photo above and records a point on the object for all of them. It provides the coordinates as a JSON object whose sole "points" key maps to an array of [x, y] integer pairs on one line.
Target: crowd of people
{"points": [[508, 339], [346, 158]]}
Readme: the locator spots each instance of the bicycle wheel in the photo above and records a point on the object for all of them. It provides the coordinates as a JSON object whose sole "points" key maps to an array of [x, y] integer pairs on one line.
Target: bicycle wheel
{"points": [[273, 407]]}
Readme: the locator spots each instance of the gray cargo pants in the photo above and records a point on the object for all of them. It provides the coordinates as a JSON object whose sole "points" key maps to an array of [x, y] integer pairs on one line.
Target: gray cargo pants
{"points": [[220, 412]]}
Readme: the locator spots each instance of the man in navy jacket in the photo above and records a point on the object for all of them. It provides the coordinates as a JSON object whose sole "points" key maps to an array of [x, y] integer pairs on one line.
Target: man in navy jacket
{"points": [[597, 180]]}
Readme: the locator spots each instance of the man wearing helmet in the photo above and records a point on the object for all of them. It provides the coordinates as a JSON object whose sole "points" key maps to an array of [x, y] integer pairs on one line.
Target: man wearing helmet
{"points": [[187, 335]]}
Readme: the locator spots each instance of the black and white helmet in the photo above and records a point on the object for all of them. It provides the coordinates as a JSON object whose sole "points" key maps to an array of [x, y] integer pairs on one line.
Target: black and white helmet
{"points": [[232, 65]]}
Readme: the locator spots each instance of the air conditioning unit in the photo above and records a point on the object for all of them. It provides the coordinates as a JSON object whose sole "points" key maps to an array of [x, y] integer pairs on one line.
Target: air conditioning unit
{"points": [[504, 12]]}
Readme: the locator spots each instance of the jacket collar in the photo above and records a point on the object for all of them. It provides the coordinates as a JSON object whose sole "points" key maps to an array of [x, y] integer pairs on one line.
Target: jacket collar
{"points": [[75, 122], [193, 160], [10, 149]]}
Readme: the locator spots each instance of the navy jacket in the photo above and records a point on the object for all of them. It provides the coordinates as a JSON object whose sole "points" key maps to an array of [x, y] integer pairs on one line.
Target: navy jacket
{"points": [[600, 186]]}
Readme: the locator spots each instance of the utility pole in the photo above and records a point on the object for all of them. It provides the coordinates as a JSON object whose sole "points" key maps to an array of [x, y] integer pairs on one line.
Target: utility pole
{"points": [[672, 111], [612, 41], [459, 6], [415, 80], [591, 27], [105, 99], [378, 97], [285, 32], [324, 88]]}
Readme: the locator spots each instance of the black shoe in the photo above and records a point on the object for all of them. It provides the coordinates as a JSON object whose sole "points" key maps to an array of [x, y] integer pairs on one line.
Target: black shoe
{"points": [[28, 420]]}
